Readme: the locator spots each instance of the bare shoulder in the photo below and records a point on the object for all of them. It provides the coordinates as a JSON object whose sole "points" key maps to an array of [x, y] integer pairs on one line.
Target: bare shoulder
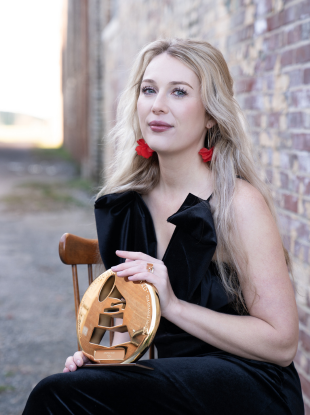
{"points": [[256, 227], [249, 201]]}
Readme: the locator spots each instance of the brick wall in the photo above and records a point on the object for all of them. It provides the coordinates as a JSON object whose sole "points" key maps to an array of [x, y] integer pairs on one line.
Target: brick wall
{"points": [[267, 47]]}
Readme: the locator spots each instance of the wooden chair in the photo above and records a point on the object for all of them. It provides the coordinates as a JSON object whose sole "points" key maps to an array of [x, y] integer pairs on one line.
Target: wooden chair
{"points": [[74, 251]]}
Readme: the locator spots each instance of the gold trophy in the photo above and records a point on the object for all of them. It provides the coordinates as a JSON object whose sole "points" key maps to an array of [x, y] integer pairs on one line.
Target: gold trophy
{"points": [[110, 297]]}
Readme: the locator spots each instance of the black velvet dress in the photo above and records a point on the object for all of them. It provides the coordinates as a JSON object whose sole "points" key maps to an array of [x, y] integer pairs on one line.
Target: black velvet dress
{"points": [[190, 376]]}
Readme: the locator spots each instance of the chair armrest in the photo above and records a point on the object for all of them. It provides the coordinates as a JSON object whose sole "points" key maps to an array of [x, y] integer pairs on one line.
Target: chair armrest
{"points": [[74, 250]]}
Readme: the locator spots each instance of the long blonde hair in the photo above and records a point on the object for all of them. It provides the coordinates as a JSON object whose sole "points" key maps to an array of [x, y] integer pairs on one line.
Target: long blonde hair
{"points": [[232, 147]]}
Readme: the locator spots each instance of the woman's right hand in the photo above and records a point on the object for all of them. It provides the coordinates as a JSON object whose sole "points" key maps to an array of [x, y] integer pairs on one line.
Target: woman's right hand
{"points": [[75, 361]]}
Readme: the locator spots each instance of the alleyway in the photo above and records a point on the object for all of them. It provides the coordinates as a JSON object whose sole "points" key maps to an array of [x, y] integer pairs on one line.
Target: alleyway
{"points": [[40, 199]]}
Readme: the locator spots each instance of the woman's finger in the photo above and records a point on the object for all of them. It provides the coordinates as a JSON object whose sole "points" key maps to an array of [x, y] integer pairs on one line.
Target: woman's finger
{"points": [[79, 358], [145, 277], [134, 266], [132, 271], [65, 370], [137, 255], [85, 358], [70, 365]]}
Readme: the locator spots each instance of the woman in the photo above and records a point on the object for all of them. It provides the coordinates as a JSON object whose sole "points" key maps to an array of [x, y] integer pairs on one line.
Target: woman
{"points": [[229, 326]]}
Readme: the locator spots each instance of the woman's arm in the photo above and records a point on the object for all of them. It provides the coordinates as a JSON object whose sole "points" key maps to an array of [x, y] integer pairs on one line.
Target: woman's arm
{"points": [[270, 333]]}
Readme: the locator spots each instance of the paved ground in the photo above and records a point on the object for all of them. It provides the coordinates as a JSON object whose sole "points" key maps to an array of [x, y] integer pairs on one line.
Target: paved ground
{"points": [[40, 199]]}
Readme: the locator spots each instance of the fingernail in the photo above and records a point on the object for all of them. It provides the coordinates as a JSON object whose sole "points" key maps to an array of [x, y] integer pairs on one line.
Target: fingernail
{"points": [[71, 367], [79, 362]]}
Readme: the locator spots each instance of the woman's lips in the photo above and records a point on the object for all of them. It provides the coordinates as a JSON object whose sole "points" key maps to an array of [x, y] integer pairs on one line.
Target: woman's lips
{"points": [[159, 126]]}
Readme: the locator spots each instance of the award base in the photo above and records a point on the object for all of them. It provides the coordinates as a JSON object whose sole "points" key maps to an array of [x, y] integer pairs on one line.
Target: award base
{"points": [[125, 366]]}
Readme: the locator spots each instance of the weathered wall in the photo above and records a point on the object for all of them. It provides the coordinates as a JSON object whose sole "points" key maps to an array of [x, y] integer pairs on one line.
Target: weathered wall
{"points": [[267, 47], [82, 83]]}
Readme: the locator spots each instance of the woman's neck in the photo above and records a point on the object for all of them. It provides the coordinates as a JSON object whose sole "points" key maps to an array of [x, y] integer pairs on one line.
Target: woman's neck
{"points": [[183, 174]]}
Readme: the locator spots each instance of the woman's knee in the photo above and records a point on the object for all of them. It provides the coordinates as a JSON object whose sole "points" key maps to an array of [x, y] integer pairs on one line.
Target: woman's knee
{"points": [[40, 397]]}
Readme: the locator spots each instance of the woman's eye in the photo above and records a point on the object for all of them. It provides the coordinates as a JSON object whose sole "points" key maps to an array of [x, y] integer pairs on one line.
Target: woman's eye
{"points": [[148, 90], [179, 92]]}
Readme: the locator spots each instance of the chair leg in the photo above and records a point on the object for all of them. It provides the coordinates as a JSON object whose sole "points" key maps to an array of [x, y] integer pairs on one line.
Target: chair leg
{"points": [[90, 274], [76, 292]]}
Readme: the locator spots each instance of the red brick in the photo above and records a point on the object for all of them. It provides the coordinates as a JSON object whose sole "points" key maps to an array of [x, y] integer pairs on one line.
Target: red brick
{"points": [[301, 142], [303, 230], [303, 316], [294, 119], [300, 98], [275, 41], [245, 33], [275, 21], [269, 81], [293, 35], [244, 85], [254, 120], [305, 8], [307, 76], [302, 54], [284, 178], [291, 14], [270, 62], [305, 341], [302, 184], [274, 120], [253, 102], [305, 385], [288, 57], [296, 77], [291, 203]]}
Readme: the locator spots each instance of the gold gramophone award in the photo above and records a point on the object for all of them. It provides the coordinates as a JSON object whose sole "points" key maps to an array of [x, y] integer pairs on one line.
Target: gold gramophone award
{"points": [[110, 297]]}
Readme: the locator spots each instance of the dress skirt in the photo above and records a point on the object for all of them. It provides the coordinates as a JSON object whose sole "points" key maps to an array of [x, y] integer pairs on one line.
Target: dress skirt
{"points": [[215, 384]]}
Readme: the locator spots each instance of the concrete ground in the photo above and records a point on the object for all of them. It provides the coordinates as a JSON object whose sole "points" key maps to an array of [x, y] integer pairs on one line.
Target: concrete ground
{"points": [[40, 199]]}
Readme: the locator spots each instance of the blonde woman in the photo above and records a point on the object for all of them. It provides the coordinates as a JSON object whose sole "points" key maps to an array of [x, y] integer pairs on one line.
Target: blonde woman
{"points": [[188, 199]]}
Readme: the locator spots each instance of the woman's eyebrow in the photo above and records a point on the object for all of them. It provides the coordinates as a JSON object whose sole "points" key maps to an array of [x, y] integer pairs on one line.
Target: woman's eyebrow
{"points": [[151, 81]]}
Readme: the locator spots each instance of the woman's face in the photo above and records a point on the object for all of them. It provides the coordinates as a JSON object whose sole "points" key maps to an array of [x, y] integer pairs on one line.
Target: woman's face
{"points": [[170, 110]]}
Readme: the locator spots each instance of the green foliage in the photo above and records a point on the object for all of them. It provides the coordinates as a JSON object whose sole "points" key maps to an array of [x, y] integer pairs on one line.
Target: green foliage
{"points": [[6, 388]]}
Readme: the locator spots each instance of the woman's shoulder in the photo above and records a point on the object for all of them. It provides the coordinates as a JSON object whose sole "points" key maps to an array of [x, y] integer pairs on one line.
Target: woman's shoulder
{"points": [[248, 200], [113, 199], [254, 221]]}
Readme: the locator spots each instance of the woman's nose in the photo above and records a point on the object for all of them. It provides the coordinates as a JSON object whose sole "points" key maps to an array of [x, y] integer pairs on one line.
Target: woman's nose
{"points": [[160, 105]]}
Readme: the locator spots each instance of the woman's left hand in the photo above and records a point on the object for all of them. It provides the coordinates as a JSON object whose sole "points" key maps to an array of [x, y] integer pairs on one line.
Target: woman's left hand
{"points": [[135, 268]]}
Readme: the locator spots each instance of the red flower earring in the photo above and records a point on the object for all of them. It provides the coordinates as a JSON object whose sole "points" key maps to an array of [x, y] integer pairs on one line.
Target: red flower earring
{"points": [[143, 149], [207, 153]]}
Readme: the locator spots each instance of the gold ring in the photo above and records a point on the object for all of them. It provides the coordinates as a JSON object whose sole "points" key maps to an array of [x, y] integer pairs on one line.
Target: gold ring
{"points": [[150, 267]]}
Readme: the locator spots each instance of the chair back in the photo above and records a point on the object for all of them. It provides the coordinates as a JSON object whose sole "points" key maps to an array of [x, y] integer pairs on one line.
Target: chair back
{"points": [[74, 251]]}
